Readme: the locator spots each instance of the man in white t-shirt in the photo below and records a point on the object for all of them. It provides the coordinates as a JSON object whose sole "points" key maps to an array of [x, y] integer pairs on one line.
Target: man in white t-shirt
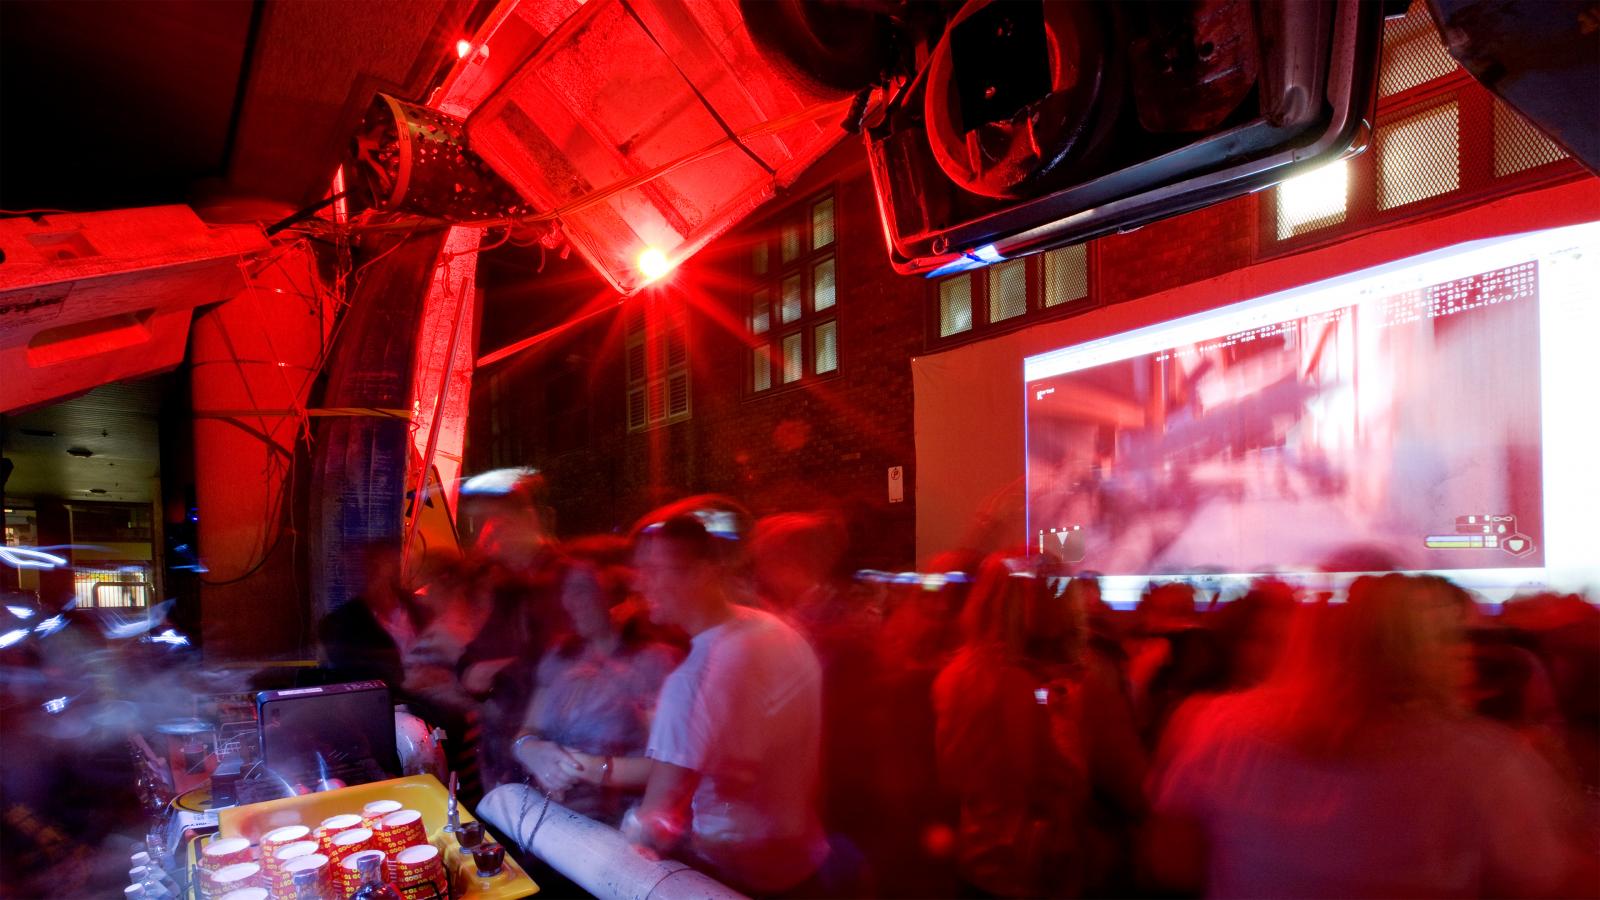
{"points": [[735, 741]]}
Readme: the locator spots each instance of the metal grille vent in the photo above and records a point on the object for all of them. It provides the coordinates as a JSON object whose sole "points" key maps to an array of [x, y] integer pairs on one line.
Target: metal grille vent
{"points": [[1008, 290], [1066, 275], [955, 305], [1412, 53], [1518, 146], [1418, 156]]}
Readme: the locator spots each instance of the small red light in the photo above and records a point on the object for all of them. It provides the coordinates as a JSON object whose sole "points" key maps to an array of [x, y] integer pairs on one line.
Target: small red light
{"points": [[463, 48]]}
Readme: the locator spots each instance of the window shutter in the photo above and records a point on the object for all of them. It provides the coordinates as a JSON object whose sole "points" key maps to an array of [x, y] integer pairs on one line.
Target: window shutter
{"points": [[823, 292], [825, 347]]}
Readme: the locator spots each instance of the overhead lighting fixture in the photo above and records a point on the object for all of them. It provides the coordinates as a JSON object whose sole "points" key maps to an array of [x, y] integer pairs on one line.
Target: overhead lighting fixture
{"points": [[653, 264]]}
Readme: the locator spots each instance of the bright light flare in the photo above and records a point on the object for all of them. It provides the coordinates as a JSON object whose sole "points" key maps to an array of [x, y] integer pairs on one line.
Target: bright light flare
{"points": [[29, 558], [57, 706], [1313, 199], [21, 612], [170, 636], [653, 264], [50, 626], [11, 637], [463, 47]]}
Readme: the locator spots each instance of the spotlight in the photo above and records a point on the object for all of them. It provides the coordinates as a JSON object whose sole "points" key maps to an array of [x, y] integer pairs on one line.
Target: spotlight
{"points": [[653, 264], [463, 47]]}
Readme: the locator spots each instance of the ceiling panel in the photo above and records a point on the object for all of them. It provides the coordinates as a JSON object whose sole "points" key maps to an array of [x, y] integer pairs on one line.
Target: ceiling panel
{"points": [[117, 423]]}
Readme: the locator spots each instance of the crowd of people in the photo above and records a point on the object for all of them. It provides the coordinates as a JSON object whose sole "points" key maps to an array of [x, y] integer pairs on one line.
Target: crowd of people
{"points": [[725, 693]]}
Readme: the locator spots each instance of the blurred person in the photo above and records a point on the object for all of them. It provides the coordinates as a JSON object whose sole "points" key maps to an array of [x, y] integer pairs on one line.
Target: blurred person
{"points": [[1163, 627], [1354, 772], [796, 559], [361, 639], [518, 579], [1563, 633], [1022, 737], [1248, 636], [1251, 632], [594, 696], [736, 736]]}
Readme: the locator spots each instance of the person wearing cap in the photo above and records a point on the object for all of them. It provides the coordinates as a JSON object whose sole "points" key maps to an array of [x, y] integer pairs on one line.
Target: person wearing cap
{"points": [[735, 742]]}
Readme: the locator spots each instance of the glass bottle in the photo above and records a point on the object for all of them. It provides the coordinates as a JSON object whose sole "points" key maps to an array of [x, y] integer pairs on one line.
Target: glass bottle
{"points": [[373, 887]]}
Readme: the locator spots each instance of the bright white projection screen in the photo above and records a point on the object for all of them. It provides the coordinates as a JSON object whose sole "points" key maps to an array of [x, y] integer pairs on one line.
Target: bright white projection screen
{"points": [[1440, 413]]}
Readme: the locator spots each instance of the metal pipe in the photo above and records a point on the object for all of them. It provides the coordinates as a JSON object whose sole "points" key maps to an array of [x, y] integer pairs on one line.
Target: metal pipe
{"points": [[596, 857]]}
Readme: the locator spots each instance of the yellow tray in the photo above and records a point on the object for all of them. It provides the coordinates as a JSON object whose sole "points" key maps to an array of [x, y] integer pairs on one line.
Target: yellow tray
{"points": [[422, 793]]}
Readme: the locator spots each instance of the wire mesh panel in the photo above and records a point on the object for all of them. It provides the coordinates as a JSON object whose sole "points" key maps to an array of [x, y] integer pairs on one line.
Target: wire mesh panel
{"points": [[1066, 274], [823, 292], [955, 305], [825, 347], [1008, 290], [758, 258], [793, 364], [822, 224], [1412, 53], [761, 368], [1314, 200], [1418, 156], [1518, 146]]}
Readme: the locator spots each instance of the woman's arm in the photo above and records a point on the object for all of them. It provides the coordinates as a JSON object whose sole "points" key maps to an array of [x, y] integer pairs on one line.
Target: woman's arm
{"points": [[628, 773]]}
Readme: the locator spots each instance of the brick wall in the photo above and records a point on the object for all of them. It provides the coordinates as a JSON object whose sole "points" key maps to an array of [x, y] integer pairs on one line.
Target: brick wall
{"points": [[824, 443]]}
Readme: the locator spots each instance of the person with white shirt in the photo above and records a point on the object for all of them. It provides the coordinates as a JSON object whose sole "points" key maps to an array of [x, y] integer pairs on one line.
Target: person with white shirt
{"points": [[735, 742]]}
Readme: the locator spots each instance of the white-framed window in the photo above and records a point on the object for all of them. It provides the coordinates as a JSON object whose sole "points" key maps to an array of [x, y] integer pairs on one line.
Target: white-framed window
{"points": [[792, 318], [1440, 139], [657, 361], [1011, 289]]}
